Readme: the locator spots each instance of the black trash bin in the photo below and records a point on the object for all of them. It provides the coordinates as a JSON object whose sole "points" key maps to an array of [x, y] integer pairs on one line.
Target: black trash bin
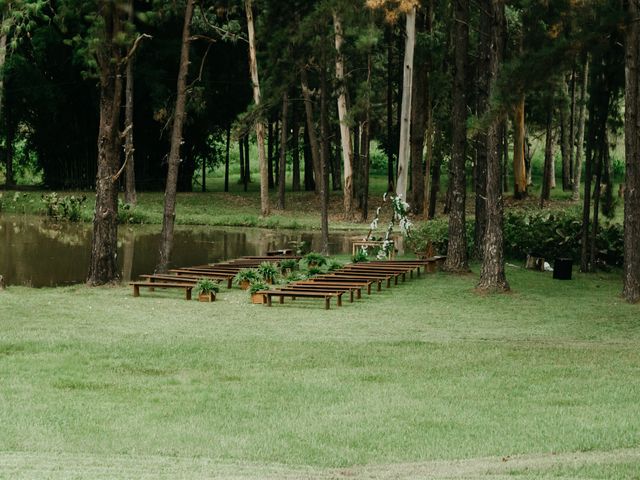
{"points": [[562, 268]]}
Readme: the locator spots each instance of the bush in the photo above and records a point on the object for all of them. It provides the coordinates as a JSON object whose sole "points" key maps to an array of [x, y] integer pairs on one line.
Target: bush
{"points": [[268, 271], [314, 259], [63, 208], [257, 287], [127, 214], [206, 285], [540, 233]]}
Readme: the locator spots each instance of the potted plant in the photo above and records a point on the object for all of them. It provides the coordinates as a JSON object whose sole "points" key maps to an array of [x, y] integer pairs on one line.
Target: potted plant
{"points": [[268, 271], [333, 265], [311, 271], [314, 259], [361, 256], [256, 287], [206, 290], [295, 277], [287, 266], [245, 276]]}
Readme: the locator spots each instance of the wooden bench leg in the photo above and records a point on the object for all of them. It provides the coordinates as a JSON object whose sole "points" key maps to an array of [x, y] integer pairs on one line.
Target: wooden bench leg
{"points": [[351, 296], [229, 282], [281, 299], [136, 291], [188, 293], [327, 301], [268, 300], [389, 282], [368, 289], [379, 282], [340, 300]]}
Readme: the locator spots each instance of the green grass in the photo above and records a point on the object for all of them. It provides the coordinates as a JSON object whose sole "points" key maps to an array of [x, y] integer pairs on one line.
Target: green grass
{"points": [[97, 384]]}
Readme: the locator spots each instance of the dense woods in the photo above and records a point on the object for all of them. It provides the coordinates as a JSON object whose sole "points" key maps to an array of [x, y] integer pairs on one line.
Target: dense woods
{"points": [[116, 95]]}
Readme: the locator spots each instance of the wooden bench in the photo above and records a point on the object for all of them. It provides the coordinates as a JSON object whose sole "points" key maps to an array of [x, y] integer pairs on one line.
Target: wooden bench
{"points": [[352, 277], [346, 281], [182, 272], [393, 271], [357, 287], [371, 274], [186, 286], [315, 287], [281, 294]]}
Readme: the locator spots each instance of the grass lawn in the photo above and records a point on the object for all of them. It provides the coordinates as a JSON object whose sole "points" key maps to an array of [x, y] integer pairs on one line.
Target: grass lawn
{"points": [[425, 380]]}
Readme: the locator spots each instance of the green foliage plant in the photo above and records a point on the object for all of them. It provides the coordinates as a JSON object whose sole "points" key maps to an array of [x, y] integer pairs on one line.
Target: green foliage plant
{"points": [[206, 285], [360, 256], [314, 259], [268, 271], [257, 286], [288, 265], [333, 265], [64, 208], [246, 275]]}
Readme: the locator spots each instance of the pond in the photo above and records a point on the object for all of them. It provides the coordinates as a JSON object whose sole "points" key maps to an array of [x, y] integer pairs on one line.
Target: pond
{"points": [[37, 252]]}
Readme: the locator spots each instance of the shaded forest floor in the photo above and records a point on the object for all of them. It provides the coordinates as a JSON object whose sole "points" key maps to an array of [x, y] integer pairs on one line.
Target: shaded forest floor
{"points": [[424, 380]]}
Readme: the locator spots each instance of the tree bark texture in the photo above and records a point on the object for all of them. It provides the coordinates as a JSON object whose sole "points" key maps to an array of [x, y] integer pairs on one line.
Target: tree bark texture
{"points": [[404, 150], [549, 152], [565, 138], [226, 159], [323, 179], [519, 170], [3, 57], [169, 216], [457, 245], [343, 114], [103, 267], [295, 151], [419, 113], [492, 274], [282, 165], [253, 67], [631, 289], [130, 195], [312, 136], [582, 114]]}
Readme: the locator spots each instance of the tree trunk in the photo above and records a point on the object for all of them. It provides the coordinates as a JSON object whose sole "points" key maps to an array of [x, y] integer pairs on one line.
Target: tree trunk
{"points": [[419, 112], [457, 245], [309, 183], [365, 149], [389, 145], [548, 158], [226, 159], [565, 137], [577, 169], [404, 150], [247, 163], [311, 131], [3, 57], [324, 159], [492, 274], [130, 195], [631, 289], [343, 114], [253, 66], [283, 152], [295, 151], [103, 266], [168, 220], [519, 170], [241, 160], [572, 124], [270, 145], [10, 153]]}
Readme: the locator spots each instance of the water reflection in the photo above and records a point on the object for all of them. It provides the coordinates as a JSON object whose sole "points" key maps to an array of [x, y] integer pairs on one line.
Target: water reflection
{"points": [[36, 252]]}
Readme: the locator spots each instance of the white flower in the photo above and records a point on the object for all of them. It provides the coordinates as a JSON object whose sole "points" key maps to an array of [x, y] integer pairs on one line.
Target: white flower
{"points": [[374, 224]]}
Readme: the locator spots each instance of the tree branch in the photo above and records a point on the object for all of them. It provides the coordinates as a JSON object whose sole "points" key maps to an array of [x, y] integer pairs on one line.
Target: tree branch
{"points": [[134, 47]]}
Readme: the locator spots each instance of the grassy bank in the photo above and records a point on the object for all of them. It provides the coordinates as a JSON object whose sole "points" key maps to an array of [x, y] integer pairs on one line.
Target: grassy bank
{"points": [[425, 379]]}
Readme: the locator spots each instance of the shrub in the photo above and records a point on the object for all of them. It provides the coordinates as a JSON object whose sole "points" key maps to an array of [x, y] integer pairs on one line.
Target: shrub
{"points": [[360, 256], [333, 265], [268, 271], [64, 208], [257, 286], [246, 275], [548, 234], [288, 265], [127, 214], [314, 271]]}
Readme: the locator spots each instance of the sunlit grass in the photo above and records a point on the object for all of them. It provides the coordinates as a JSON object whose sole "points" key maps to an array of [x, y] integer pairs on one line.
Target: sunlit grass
{"points": [[428, 370]]}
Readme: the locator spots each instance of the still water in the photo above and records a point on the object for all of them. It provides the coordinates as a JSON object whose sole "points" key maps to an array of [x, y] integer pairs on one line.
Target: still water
{"points": [[39, 253]]}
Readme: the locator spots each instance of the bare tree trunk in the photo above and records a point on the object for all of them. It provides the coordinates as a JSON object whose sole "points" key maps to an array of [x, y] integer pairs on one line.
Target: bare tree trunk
{"points": [[572, 124], [247, 163], [345, 131], [577, 169], [548, 159], [283, 152], [253, 66], [130, 195], [404, 150], [631, 289], [270, 149], [103, 266], [565, 138], [311, 131], [492, 274], [389, 146], [295, 151], [168, 220], [324, 159], [226, 159], [457, 245], [419, 113], [519, 170]]}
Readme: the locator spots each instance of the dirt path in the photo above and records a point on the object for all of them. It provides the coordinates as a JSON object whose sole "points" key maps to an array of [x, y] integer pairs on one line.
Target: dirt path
{"points": [[24, 465]]}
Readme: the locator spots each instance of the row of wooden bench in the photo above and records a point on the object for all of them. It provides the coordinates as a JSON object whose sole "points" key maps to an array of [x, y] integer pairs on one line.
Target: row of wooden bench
{"points": [[352, 279], [187, 277]]}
